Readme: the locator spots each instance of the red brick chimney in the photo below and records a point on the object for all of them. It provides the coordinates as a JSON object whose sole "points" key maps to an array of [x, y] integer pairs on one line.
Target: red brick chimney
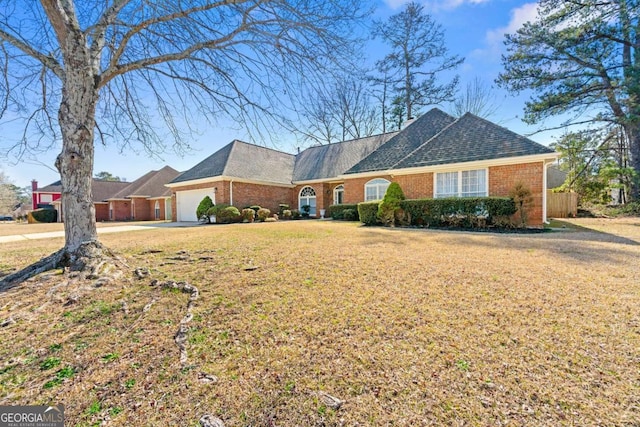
{"points": [[34, 196]]}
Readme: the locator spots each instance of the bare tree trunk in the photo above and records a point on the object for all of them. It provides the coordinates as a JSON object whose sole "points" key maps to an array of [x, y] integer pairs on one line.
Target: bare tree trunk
{"points": [[633, 135], [77, 123]]}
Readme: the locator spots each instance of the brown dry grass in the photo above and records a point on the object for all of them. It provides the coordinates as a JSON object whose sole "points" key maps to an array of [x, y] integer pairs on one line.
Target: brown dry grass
{"points": [[408, 327]]}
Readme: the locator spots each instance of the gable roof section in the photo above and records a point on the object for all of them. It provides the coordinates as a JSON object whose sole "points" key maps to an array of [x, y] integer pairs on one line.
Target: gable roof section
{"points": [[54, 187], [331, 160], [246, 161], [150, 184], [100, 190], [471, 138], [404, 142], [103, 190]]}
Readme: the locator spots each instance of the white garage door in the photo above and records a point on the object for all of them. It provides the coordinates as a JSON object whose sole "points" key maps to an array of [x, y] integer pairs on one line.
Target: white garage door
{"points": [[187, 202]]}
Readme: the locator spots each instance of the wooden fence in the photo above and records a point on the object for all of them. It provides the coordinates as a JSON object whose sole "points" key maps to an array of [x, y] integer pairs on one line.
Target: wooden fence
{"points": [[561, 205]]}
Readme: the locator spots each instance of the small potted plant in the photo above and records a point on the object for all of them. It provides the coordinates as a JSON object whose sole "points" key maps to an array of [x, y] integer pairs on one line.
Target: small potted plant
{"points": [[306, 209]]}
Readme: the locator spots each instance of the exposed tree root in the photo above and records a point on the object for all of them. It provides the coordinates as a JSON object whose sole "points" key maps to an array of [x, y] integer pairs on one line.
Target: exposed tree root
{"points": [[181, 335], [92, 261]]}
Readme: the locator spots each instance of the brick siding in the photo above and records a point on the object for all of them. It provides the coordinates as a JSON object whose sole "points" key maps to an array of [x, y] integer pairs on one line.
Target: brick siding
{"points": [[502, 179]]}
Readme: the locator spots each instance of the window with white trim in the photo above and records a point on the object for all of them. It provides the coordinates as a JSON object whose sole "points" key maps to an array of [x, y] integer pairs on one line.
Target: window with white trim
{"points": [[338, 195], [307, 197], [375, 189], [471, 183], [157, 209], [110, 211]]}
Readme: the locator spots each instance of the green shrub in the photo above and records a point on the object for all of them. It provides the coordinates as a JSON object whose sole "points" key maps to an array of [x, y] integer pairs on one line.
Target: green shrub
{"points": [[287, 214], [306, 211], [256, 208], [459, 211], [295, 214], [337, 211], [263, 213], [350, 214], [368, 212], [389, 211], [248, 215], [44, 215], [203, 208], [281, 208], [228, 215], [272, 219]]}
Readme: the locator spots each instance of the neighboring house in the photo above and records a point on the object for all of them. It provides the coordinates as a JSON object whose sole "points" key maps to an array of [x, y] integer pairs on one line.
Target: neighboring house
{"points": [[43, 197], [436, 155], [555, 177], [146, 198]]}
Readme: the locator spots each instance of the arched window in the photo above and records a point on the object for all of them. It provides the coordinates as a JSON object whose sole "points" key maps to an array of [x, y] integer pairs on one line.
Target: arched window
{"points": [[307, 197], [157, 209], [375, 189], [110, 211], [338, 195]]}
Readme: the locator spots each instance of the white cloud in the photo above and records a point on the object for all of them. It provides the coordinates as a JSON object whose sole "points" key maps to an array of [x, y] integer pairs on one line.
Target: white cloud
{"points": [[494, 38]]}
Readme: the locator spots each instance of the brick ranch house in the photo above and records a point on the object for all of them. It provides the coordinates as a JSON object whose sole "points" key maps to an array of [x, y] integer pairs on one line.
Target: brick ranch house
{"points": [[144, 199], [436, 155]]}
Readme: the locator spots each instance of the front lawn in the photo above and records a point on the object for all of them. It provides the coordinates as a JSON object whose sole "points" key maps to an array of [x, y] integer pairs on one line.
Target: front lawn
{"points": [[405, 327]]}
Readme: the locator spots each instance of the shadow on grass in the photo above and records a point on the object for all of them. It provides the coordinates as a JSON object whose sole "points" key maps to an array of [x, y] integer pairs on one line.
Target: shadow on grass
{"points": [[573, 241]]}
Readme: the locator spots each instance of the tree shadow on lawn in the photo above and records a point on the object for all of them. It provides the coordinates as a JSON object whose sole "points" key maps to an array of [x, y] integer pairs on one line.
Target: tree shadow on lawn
{"points": [[578, 243]]}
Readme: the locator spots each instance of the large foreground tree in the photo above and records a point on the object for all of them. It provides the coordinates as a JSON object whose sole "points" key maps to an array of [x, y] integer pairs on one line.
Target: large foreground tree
{"points": [[581, 57], [117, 69]]}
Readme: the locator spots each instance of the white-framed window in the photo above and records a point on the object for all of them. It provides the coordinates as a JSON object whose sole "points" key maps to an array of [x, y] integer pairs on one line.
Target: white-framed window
{"points": [[133, 209], [46, 198], [338, 195], [157, 209], [471, 183], [110, 211], [375, 189], [307, 197]]}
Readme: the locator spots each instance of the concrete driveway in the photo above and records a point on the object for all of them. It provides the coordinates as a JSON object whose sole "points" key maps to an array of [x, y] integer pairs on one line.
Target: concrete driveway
{"points": [[101, 230]]}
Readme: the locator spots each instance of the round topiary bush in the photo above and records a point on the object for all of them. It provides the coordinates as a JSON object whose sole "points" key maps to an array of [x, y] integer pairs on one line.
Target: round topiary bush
{"points": [[263, 214], [228, 215]]}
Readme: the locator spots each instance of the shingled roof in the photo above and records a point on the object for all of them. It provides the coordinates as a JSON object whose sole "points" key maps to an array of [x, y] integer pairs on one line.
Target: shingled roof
{"points": [[242, 160], [471, 138], [404, 142], [100, 189], [151, 184], [327, 161]]}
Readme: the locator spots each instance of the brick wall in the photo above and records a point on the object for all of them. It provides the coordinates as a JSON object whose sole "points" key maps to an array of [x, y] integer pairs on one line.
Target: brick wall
{"points": [[266, 196], [102, 211], [152, 209], [502, 179], [121, 210], [415, 186], [354, 188]]}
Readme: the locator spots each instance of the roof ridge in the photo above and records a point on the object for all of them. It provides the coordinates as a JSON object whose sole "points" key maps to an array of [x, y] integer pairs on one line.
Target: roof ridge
{"points": [[489, 122], [349, 140], [428, 140], [259, 146]]}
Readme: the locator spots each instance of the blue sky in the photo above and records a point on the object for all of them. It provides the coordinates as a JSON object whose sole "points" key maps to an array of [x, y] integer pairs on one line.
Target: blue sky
{"points": [[473, 29]]}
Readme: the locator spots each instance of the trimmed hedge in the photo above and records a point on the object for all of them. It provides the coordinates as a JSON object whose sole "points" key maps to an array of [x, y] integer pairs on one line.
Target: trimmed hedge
{"points": [[337, 212], [368, 212], [44, 215], [470, 212]]}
